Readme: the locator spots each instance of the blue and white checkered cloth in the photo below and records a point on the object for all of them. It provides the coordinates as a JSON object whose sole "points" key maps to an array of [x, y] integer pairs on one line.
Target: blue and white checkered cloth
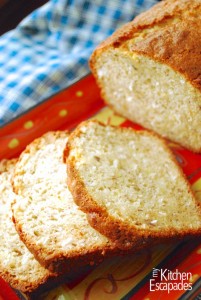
{"points": [[50, 48]]}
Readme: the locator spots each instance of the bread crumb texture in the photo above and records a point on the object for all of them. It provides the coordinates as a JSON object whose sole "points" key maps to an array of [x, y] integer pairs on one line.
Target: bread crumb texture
{"points": [[133, 177], [149, 71], [50, 223], [17, 265]]}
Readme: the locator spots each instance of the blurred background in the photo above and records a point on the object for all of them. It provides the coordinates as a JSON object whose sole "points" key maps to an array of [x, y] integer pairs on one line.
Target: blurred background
{"points": [[13, 11], [45, 45]]}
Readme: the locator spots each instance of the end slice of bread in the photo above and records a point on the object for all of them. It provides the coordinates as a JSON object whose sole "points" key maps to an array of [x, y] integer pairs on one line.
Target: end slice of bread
{"points": [[149, 72], [130, 185], [47, 219], [17, 265]]}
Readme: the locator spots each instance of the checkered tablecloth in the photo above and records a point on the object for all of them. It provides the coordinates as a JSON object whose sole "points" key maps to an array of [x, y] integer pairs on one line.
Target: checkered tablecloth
{"points": [[50, 48]]}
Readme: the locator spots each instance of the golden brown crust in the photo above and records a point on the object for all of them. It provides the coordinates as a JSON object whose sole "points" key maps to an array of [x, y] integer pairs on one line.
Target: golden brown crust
{"points": [[64, 263], [7, 164], [175, 40], [178, 46], [122, 234]]}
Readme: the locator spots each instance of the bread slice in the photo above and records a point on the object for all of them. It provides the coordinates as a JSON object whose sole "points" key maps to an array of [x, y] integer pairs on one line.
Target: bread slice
{"points": [[47, 219], [149, 71], [17, 265], [130, 185]]}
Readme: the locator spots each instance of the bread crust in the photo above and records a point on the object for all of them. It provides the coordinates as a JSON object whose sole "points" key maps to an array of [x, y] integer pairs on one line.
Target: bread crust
{"points": [[174, 42], [122, 234], [65, 262]]}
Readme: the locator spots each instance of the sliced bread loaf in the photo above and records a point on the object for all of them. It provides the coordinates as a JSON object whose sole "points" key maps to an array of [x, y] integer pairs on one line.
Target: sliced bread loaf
{"points": [[130, 185], [17, 265], [149, 71], [47, 219]]}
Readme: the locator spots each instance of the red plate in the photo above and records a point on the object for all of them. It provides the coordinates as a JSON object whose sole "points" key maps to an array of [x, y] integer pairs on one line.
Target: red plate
{"points": [[118, 278], [6, 293]]}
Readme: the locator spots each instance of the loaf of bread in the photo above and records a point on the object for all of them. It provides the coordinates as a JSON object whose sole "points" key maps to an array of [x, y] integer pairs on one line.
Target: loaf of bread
{"points": [[130, 185], [17, 265], [47, 219], [149, 71]]}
